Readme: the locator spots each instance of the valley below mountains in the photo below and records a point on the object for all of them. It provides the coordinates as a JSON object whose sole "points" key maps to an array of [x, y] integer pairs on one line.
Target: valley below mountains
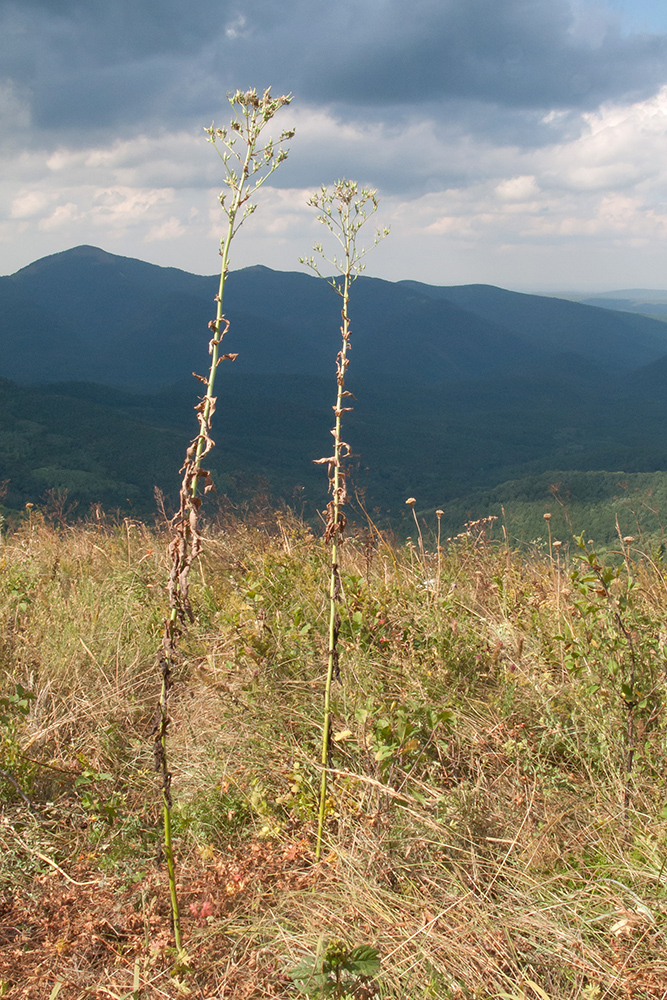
{"points": [[468, 398]]}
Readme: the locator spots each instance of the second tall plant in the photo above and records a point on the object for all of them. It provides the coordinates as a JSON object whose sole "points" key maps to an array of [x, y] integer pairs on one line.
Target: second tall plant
{"points": [[343, 210]]}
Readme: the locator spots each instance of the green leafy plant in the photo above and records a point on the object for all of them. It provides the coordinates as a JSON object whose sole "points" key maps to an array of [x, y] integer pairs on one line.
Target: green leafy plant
{"points": [[343, 210], [619, 653], [102, 804], [247, 165], [337, 972], [399, 732], [14, 708]]}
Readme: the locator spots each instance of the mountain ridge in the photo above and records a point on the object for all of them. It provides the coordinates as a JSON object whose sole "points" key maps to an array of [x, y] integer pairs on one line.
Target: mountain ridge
{"points": [[453, 395], [124, 322]]}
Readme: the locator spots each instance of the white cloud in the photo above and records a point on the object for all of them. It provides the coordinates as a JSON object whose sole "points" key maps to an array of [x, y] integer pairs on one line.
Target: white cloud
{"points": [[610, 181], [521, 188], [120, 207], [594, 206], [27, 204], [60, 217], [171, 229]]}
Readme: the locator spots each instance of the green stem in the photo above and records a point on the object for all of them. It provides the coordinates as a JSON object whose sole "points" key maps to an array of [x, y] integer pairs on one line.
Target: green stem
{"points": [[327, 697], [166, 802], [343, 213], [333, 576], [215, 353], [169, 852]]}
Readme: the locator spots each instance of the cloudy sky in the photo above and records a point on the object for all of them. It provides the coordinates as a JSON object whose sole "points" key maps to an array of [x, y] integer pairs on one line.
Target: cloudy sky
{"points": [[517, 142]]}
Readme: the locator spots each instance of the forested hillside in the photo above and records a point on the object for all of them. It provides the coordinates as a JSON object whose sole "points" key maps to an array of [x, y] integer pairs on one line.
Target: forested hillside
{"points": [[458, 390]]}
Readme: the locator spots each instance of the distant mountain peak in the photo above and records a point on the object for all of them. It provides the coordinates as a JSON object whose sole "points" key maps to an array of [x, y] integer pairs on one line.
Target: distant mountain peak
{"points": [[86, 250], [83, 252], [256, 269]]}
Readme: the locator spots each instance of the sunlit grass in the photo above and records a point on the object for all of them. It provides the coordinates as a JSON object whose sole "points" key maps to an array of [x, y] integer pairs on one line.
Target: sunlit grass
{"points": [[475, 828]]}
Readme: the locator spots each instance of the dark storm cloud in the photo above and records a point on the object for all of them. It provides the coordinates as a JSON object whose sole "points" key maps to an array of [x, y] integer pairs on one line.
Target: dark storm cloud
{"points": [[91, 64], [516, 53], [88, 64]]}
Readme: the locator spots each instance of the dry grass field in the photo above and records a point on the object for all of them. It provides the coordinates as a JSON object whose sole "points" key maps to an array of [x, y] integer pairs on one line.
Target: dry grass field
{"points": [[496, 812]]}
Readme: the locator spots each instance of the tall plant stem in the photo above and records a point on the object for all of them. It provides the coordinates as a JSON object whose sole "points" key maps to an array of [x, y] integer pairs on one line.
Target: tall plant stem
{"points": [[245, 172], [334, 576], [217, 324], [343, 211], [161, 764], [166, 808], [439, 514]]}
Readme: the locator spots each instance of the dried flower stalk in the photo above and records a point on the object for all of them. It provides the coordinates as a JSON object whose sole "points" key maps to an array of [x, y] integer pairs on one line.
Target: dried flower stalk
{"points": [[343, 210], [247, 166]]}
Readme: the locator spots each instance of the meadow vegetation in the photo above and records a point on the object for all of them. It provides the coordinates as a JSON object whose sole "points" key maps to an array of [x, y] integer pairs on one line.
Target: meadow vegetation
{"points": [[486, 830]]}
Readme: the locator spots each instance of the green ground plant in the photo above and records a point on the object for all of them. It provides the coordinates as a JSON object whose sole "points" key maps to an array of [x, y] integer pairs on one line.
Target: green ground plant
{"points": [[14, 708], [621, 655], [338, 972], [343, 210]]}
